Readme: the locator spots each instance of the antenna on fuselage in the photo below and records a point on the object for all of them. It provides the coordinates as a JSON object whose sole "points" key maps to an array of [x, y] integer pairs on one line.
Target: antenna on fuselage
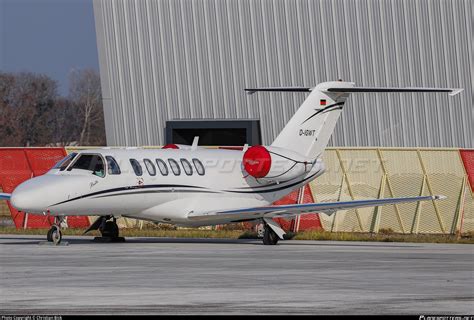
{"points": [[195, 143]]}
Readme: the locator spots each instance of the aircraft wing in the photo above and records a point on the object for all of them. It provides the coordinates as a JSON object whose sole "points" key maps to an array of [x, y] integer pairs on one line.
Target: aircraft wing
{"points": [[295, 209], [5, 196]]}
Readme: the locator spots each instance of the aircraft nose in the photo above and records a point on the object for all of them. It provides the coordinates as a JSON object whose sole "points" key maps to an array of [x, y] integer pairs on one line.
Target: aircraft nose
{"points": [[20, 200], [29, 196]]}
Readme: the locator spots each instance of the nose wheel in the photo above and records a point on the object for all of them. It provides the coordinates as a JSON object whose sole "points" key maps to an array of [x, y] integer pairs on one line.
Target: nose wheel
{"points": [[54, 234]]}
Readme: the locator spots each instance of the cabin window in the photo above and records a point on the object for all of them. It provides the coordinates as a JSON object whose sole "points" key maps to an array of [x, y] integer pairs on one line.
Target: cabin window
{"points": [[64, 162], [187, 167], [137, 168], [112, 165], [199, 167], [174, 167], [90, 162], [150, 167], [162, 166]]}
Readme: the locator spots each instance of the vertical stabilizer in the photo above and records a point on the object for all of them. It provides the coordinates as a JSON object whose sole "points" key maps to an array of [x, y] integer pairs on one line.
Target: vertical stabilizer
{"points": [[309, 130]]}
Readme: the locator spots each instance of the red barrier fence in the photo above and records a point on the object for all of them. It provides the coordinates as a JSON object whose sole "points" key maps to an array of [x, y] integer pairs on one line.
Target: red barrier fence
{"points": [[309, 221], [20, 164], [467, 157]]}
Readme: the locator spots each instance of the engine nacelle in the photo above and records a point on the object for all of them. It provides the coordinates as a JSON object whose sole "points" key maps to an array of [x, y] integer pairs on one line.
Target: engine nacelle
{"points": [[274, 164]]}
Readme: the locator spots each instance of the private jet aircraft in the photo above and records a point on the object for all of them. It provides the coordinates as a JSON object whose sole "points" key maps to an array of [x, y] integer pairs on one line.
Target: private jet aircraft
{"points": [[194, 186]]}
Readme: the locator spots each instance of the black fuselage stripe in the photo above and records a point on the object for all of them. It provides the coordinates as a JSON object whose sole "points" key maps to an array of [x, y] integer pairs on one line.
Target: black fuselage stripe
{"points": [[325, 110], [127, 188], [153, 191]]}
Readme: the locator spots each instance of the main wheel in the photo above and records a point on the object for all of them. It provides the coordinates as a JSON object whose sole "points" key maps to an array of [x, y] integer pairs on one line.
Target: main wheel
{"points": [[49, 236], [269, 236], [110, 230], [56, 235]]}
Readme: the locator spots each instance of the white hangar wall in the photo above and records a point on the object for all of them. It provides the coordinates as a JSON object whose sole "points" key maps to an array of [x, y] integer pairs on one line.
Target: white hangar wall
{"points": [[180, 59]]}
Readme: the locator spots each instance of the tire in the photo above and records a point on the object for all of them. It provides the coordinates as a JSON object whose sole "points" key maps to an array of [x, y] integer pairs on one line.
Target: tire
{"points": [[110, 230], [270, 237], [49, 236], [56, 235]]}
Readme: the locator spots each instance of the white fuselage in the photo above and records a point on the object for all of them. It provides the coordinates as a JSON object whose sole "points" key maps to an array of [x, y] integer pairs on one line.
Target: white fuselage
{"points": [[161, 198]]}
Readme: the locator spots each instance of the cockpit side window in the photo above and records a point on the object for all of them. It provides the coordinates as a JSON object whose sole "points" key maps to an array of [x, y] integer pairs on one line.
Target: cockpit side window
{"points": [[64, 162], [112, 165], [90, 162]]}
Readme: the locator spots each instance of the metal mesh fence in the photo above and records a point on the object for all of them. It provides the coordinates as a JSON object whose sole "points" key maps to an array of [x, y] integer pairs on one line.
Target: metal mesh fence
{"points": [[386, 172]]}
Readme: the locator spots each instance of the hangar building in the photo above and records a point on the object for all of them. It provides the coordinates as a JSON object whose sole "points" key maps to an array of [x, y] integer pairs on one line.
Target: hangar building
{"points": [[163, 60]]}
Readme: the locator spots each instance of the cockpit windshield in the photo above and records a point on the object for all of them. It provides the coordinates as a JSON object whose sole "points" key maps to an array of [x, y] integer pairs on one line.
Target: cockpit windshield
{"points": [[64, 162], [90, 162]]}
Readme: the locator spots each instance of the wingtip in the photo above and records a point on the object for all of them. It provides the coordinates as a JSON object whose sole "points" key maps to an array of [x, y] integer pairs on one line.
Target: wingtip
{"points": [[455, 91], [439, 197]]}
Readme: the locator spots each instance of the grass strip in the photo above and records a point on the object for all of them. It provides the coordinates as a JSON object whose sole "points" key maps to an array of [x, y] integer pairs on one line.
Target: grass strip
{"points": [[241, 234]]}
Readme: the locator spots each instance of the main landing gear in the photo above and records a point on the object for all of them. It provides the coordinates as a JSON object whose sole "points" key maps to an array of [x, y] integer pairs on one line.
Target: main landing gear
{"points": [[269, 236], [107, 225], [272, 232]]}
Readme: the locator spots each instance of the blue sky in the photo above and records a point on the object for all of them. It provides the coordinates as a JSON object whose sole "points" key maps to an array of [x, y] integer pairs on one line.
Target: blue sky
{"points": [[47, 36]]}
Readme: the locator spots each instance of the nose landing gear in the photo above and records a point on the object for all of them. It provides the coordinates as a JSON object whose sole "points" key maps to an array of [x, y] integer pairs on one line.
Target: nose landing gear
{"points": [[54, 234]]}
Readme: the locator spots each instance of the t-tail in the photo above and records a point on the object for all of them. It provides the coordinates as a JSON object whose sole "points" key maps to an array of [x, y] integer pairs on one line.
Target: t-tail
{"points": [[309, 130]]}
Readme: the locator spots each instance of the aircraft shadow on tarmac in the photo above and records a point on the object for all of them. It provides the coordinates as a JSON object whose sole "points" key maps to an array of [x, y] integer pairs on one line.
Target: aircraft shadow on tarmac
{"points": [[133, 240]]}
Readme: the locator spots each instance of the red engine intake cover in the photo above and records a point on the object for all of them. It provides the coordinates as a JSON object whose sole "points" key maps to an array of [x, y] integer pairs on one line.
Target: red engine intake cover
{"points": [[170, 146], [257, 161]]}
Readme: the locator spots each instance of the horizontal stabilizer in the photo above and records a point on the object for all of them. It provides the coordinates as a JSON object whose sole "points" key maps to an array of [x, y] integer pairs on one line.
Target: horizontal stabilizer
{"points": [[279, 89], [5, 196], [295, 209], [450, 91]]}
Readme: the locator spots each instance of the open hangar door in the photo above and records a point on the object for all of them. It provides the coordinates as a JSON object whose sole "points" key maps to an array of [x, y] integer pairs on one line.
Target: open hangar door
{"points": [[214, 132]]}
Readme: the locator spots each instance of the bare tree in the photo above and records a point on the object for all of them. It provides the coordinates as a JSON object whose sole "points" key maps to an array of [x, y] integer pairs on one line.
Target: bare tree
{"points": [[85, 93], [64, 125], [27, 99], [9, 133], [33, 114]]}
